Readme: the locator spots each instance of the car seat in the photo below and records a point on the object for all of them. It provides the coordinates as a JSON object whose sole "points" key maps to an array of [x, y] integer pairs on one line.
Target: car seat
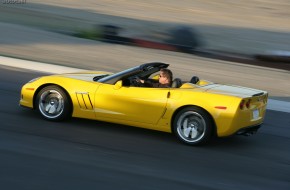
{"points": [[176, 83]]}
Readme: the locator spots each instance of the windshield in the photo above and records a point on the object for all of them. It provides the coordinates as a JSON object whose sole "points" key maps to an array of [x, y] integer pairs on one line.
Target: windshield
{"points": [[97, 78], [117, 75]]}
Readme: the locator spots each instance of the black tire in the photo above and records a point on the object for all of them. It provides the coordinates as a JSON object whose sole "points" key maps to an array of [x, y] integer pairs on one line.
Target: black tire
{"points": [[53, 103], [193, 125]]}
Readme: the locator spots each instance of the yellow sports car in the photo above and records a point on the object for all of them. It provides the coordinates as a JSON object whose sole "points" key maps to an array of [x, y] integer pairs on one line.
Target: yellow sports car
{"points": [[194, 110]]}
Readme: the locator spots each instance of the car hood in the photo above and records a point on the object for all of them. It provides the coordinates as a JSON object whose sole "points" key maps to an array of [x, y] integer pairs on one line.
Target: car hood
{"points": [[86, 76], [232, 90]]}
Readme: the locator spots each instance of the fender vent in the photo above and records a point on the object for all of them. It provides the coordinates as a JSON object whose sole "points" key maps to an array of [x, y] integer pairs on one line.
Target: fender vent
{"points": [[84, 100]]}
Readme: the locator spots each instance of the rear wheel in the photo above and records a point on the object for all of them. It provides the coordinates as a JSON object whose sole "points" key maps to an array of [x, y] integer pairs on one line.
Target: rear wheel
{"points": [[193, 125], [53, 103]]}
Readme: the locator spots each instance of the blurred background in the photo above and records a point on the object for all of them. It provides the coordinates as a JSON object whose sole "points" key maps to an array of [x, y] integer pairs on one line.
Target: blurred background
{"points": [[249, 27]]}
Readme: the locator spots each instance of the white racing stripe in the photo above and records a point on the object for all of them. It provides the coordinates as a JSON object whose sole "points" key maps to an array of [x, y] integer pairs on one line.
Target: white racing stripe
{"points": [[275, 105]]}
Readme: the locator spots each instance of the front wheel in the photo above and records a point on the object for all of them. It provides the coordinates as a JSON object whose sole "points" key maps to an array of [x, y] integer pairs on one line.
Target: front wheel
{"points": [[193, 125], [53, 103]]}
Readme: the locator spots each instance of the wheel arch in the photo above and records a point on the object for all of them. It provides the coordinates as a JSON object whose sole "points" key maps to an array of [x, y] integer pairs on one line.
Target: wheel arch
{"points": [[214, 131], [52, 84]]}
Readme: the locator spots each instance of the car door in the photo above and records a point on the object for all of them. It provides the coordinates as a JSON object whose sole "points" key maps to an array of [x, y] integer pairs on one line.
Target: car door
{"points": [[138, 104]]}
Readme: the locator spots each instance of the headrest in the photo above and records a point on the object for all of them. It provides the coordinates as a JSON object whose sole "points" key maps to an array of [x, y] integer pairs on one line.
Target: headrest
{"points": [[194, 80], [176, 83]]}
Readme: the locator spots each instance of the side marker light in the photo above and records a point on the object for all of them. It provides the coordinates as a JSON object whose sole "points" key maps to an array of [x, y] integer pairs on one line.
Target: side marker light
{"points": [[221, 107]]}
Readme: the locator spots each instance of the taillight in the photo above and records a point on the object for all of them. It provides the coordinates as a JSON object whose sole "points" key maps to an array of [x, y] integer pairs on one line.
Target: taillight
{"points": [[242, 104], [248, 103], [265, 99], [245, 104]]}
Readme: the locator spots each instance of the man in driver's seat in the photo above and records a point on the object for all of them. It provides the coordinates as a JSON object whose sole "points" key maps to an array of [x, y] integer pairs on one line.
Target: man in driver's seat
{"points": [[165, 80]]}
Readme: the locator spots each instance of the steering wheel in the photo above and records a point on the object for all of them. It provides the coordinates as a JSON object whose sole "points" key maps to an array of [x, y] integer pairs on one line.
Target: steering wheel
{"points": [[135, 81]]}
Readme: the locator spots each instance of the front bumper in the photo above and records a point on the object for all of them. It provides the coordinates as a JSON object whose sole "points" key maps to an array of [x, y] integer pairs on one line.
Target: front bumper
{"points": [[26, 96]]}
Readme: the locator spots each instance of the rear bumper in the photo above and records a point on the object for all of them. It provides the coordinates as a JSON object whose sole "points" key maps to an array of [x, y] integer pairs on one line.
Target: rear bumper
{"points": [[247, 131]]}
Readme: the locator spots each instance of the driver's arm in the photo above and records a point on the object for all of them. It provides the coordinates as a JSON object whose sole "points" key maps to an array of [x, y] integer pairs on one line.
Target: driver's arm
{"points": [[149, 82]]}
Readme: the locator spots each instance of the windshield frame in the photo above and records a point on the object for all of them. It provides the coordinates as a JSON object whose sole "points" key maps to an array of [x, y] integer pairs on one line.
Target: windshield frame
{"points": [[147, 68]]}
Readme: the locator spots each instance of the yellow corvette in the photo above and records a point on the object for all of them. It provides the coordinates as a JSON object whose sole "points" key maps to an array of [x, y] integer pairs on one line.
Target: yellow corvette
{"points": [[193, 110]]}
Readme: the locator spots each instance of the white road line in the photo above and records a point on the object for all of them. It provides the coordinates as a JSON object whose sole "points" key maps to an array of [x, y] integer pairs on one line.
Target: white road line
{"points": [[278, 105], [36, 66], [56, 69]]}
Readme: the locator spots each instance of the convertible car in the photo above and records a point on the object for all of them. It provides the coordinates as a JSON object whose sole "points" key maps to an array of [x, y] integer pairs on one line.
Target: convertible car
{"points": [[195, 110]]}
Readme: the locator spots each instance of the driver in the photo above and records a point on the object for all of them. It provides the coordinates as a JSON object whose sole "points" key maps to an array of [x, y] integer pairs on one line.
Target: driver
{"points": [[165, 80]]}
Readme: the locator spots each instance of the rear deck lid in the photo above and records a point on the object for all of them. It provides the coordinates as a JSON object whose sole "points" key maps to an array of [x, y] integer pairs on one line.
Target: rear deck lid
{"points": [[232, 90]]}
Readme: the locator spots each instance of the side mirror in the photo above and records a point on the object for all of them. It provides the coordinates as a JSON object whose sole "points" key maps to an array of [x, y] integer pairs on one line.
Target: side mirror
{"points": [[118, 85]]}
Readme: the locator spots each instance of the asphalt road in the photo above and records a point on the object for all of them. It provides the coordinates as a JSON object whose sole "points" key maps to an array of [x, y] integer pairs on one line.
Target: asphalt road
{"points": [[85, 154]]}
